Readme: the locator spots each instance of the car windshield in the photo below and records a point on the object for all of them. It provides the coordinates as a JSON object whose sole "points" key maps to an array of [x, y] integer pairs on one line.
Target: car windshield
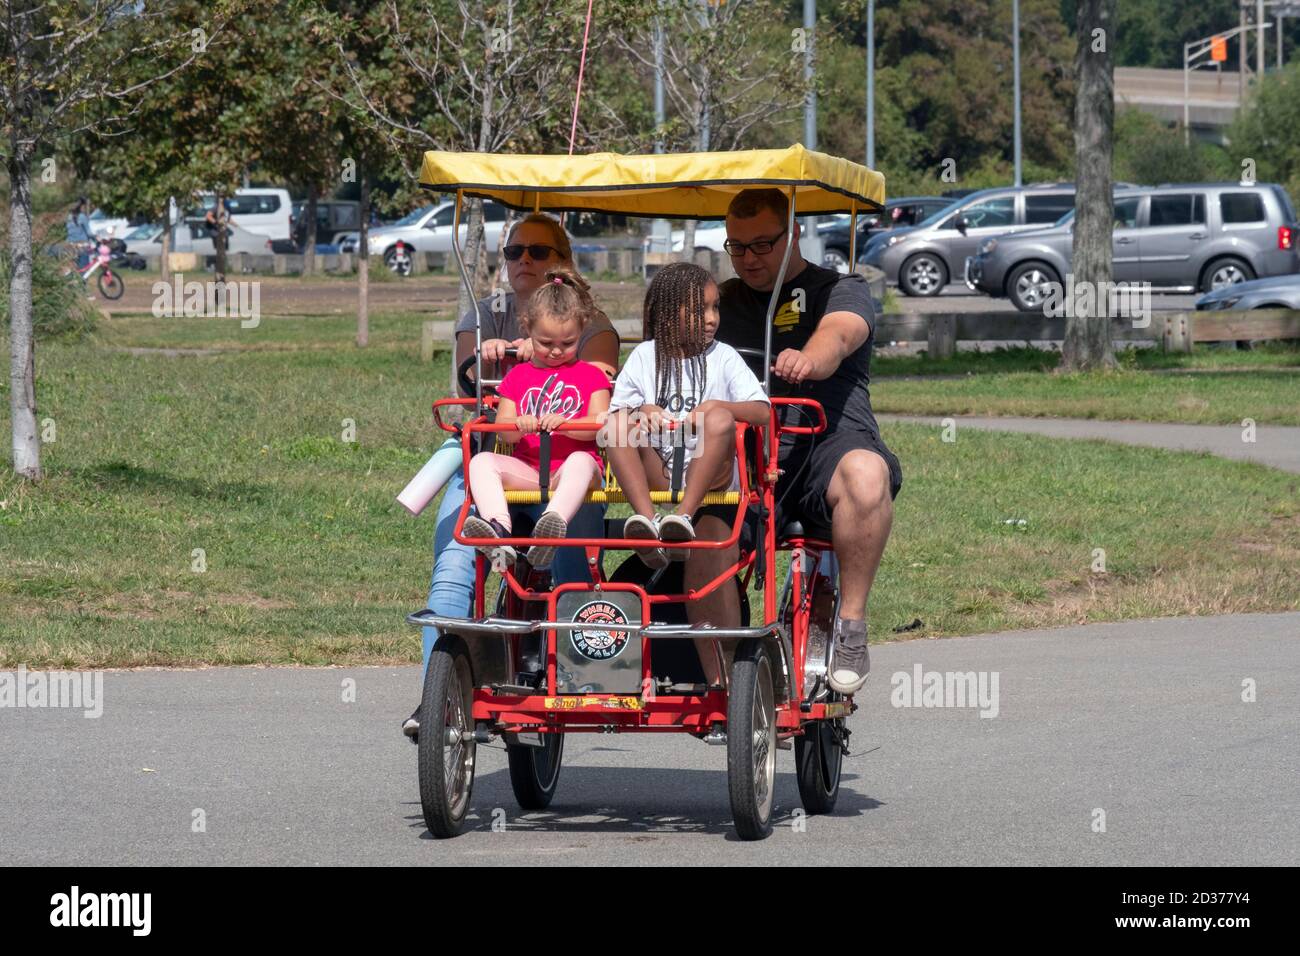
{"points": [[141, 232], [411, 218], [938, 217], [1064, 219]]}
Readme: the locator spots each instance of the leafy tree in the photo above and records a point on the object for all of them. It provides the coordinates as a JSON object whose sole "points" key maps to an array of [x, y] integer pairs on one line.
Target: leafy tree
{"points": [[1268, 131]]}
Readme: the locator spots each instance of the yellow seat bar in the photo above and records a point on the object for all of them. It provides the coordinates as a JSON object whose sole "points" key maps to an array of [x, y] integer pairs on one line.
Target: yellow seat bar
{"points": [[616, 496]]}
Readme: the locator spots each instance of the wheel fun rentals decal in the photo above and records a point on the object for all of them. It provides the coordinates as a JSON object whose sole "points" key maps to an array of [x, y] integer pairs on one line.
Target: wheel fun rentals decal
{"points": [[596, 643]]}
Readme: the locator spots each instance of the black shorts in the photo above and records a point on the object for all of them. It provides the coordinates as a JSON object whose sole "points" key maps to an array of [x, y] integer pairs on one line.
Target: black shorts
{"points": [[801, 489]]}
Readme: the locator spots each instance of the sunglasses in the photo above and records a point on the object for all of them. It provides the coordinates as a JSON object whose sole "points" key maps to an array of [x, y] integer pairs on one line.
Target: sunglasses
{"points": [[760, 247], [538, 251]]}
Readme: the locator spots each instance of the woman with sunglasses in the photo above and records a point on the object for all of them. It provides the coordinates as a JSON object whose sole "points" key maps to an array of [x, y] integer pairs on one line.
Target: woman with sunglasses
{"points": [[534, 245]]}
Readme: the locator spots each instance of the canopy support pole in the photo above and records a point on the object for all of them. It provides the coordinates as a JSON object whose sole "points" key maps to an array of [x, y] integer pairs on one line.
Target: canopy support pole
{"points": [[473, 304], [853, 236], [776, 294]]}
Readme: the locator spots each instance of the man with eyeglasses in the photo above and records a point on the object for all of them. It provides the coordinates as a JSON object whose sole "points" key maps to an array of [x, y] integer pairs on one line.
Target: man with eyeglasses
{"points": [[841, 483]]}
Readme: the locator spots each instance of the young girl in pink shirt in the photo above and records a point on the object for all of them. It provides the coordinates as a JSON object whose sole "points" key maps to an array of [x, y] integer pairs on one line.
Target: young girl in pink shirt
{"points": [[537, 396]]}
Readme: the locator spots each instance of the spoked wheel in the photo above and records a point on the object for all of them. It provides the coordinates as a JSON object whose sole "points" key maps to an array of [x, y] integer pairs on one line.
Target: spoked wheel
{"points": [[818, 758], [535, 771], [751, 740], [446, 738], [110, 285]]}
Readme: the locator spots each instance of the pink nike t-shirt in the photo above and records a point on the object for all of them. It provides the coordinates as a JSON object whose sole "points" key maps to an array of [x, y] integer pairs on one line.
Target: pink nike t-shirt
{"points": [[566, 389]]}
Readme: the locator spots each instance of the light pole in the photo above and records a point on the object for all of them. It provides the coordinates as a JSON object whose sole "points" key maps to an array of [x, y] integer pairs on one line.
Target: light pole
{"points": [[1015, 56], [810, 245], [871, 83], [660, 231]]}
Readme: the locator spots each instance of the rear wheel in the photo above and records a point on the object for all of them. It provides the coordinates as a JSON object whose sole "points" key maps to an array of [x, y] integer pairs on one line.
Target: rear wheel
{"points": [[535, 771], [446, 744], [751, 740], [110, 285], [923, 275], [1225, 272], [818, 758], [402, 266]]}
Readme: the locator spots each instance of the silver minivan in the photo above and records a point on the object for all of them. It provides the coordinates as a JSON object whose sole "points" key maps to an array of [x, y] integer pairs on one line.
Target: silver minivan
{"points": [[924, 258]]}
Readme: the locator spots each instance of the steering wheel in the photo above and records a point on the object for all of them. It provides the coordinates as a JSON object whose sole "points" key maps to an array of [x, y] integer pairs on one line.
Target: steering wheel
{"points": [[467, 383]]}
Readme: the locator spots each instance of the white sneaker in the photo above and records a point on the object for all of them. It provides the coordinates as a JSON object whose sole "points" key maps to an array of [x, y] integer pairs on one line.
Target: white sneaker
{"points": [[675, 527], [549, 525], [850, 660], [640, 527]]}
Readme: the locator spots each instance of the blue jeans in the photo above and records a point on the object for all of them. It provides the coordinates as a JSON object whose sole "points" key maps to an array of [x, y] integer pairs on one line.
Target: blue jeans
{"points": [[451, 592]]}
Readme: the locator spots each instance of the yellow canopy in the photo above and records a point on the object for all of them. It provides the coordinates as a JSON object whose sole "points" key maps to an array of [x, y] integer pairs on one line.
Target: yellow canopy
{"points": [[669, 185]]}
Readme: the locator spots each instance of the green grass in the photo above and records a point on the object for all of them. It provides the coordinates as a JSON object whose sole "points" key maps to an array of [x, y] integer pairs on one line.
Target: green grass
{"points": [[1210, 386], [388, 331], [309, 559]]}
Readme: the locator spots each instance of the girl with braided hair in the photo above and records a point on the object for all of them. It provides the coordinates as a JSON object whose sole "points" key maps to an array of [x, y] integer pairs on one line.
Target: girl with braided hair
{"points": [[678, 374]]}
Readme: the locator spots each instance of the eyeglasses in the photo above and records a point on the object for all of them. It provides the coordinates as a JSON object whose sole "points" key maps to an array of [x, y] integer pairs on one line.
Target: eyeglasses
{"points": [[759, 247], [514, 253]]}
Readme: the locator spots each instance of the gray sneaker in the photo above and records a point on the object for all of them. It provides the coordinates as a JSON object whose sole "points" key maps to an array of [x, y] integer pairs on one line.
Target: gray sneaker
{"points": [[639, 527], [850, 661]]}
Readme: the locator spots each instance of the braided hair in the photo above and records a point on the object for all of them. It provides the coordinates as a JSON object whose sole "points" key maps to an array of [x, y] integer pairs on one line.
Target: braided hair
{"points": [[674, 289], [564, 296]]}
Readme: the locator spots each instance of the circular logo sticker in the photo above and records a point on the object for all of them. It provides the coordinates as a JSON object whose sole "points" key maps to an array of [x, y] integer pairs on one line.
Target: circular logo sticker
{"points": [[597, 643]]}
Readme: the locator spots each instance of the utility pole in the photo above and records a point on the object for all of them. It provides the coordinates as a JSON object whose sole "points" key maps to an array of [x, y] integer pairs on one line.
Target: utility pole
{"points": [[660, 231], [871, 83], [1015, 56], [811, 245]]}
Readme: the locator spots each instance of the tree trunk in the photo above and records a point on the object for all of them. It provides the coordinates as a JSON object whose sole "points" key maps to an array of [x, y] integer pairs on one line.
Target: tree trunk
{"points": [[22, 351], [1088, 323], [219, 237], [363, 263], [474, 256], [309, 240], [688, 241], [166, 265]]}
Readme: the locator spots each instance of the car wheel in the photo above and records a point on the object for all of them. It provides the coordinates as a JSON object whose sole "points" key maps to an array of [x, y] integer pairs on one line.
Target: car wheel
{"points": [[1225, 272], [923, 275], [1029, 285], [837, 259]]}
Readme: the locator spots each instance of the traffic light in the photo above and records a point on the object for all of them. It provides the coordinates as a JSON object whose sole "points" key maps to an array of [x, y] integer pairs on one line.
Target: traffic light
{"points": [[1218, 49]]}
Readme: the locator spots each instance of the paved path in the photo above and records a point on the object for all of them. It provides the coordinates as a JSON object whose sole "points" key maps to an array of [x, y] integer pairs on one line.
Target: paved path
{"points": [[1275, 445], [1143, 720]]}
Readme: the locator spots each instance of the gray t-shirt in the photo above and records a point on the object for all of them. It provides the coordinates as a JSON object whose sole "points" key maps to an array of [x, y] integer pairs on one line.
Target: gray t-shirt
{"points": [[505, 324]]}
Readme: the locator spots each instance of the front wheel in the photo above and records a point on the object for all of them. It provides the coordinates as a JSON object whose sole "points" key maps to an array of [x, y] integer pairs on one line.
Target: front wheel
{"points": [[110, 285], [1029, 286], [535, 771], [751, 740], [837, 259], [400, 265], [446, 743]]}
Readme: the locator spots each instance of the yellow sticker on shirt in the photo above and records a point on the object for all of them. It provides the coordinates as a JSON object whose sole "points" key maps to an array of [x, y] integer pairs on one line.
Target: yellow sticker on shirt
{"points": [[787, 317]]}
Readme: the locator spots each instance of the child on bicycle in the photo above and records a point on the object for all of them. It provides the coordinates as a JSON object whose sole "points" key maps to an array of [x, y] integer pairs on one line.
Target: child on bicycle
{"points": [[679, 374], [539, 395]]}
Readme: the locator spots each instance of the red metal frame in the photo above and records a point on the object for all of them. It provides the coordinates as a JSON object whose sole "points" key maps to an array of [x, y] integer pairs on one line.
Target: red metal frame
{"points": [[592, 713]]}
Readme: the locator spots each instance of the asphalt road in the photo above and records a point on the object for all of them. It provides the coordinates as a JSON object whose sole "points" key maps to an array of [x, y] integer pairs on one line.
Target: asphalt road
{"points": [[1275, 445], [1143, 721]]}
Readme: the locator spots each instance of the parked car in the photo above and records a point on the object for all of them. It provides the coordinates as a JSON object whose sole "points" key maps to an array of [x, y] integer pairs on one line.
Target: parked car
{"points": [[334, 219], [924, 258], [1275, 292], [264, 211], [428, 229], [1180, 238], [906, 211], [711, 234], [101, 223], [144, 240]]}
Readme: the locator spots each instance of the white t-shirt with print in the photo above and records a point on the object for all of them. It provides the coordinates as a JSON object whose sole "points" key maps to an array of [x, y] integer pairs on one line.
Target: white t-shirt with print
{"points": [[727, 379]]}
